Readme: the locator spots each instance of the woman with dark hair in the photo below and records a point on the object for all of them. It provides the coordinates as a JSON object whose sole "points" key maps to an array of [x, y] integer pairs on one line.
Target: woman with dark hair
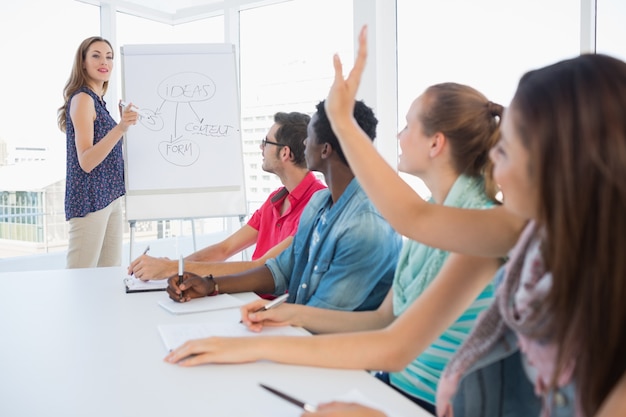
{"points": [[559, 316]]}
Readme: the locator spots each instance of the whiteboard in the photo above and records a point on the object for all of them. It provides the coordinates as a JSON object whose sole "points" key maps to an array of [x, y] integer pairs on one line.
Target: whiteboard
{"points": [[184, 156]]}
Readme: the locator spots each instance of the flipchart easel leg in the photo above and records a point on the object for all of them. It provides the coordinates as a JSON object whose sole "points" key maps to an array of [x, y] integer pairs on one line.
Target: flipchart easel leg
{"points": [[193, 234], [131, 224]]}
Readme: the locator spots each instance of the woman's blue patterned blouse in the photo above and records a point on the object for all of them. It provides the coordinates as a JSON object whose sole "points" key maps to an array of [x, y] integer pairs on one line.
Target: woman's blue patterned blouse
{"points": [[93, 191]]}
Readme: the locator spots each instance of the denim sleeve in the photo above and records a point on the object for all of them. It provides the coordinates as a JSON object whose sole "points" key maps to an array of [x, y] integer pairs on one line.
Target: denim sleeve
{"points": [[361, 270], [281, 267]]}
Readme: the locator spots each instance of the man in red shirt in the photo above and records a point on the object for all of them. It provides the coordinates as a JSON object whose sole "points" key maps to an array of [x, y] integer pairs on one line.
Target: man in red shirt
{"points": [[272, 226]]}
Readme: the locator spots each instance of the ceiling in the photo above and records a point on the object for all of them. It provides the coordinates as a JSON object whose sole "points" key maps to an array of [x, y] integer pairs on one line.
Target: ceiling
{"points": [[175, 11]]}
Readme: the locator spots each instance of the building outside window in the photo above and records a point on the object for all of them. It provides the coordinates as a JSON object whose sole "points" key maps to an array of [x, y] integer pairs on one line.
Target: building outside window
{"points": [[285, 65]]}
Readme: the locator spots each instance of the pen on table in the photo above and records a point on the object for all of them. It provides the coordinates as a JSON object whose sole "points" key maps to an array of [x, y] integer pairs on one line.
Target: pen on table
{"points": [[144, 252], [181, 267], [274, 303], [305, 406]]}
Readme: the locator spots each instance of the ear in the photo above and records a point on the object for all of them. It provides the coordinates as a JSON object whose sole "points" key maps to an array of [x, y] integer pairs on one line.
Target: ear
{"points": [[437, 145], [286, 154], [327, 150]]}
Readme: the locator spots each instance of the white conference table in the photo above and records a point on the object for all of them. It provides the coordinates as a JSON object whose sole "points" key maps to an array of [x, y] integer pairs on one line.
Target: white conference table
{"points": [[73, 343]]}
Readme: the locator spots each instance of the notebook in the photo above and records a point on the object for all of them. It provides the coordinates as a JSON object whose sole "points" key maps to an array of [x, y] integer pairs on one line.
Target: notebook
{"points": [[133, 284], [174, 335]]}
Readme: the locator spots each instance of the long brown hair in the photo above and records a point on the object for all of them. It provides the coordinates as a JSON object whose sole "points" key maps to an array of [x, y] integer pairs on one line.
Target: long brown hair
{"points": [[571, 117], [78, 78], [471, 124]]}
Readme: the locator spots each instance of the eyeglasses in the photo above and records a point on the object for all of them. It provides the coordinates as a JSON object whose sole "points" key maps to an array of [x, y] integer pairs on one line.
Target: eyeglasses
{"points": [[266, 142]]}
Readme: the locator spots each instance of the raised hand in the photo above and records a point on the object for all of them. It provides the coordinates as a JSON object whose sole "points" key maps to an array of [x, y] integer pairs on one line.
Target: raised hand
{"points": [[339, 104]]}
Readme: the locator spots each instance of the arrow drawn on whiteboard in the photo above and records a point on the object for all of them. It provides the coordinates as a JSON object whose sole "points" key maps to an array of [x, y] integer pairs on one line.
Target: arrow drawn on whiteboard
{"points": [[176, 119], [158, 110], [151, 120], [179, 151], [195, 113]]}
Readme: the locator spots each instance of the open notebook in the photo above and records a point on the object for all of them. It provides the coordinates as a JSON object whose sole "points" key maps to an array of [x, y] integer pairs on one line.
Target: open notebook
{"points": [[174, 335], [133, 284]]}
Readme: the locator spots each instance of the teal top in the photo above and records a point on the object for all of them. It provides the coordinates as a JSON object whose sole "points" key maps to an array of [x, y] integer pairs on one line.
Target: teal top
{"points": [[417, 266]]}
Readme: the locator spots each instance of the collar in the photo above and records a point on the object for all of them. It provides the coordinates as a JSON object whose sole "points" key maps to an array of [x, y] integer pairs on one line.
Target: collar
{"points": [[297, 193]]}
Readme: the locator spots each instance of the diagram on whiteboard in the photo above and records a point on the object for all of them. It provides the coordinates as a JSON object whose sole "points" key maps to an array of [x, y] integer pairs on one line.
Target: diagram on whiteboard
{"points": [[188, 137], [177, 117]]}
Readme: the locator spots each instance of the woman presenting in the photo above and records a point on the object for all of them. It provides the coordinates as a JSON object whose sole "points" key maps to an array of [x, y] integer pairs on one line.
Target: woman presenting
{"points": [[95, 166]]}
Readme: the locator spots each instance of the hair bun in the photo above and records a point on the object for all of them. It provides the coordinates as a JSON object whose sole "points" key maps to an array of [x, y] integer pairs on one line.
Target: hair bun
{"points": [[495, 109]]}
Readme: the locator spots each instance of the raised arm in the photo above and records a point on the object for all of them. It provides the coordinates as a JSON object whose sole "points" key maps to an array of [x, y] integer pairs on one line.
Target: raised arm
{"points": [[475, 232]]}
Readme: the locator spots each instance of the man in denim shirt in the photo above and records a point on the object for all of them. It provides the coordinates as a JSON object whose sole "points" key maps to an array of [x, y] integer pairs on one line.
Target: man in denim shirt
{"points": [[344, 254]]}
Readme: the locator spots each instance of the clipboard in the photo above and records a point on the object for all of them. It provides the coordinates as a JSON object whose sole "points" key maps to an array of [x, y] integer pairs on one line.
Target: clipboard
{"points": [[134, 285]]}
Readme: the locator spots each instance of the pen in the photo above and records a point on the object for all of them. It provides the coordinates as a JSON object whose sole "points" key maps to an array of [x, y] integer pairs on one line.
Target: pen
{"points": [[180, 273], [144, 252], [306, 407], [274, 303]]}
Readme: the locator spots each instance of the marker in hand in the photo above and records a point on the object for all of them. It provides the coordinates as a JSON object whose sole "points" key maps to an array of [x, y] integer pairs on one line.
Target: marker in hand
{"points": [[274, 303], [134, 108]]}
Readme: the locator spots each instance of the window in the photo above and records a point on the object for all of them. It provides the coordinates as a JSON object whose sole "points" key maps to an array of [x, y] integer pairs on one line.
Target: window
{"points": [[487, 44], [32, 79], [286, 64], [611, 30], [65, 24]]}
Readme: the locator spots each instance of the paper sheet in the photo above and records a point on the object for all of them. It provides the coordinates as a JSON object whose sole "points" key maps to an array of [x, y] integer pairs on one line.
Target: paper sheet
{"points": [[174, 335], [198, 305]]}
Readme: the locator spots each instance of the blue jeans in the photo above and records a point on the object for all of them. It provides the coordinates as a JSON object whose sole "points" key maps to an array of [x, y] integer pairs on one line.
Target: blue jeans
{"points": [[384, 376]]}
